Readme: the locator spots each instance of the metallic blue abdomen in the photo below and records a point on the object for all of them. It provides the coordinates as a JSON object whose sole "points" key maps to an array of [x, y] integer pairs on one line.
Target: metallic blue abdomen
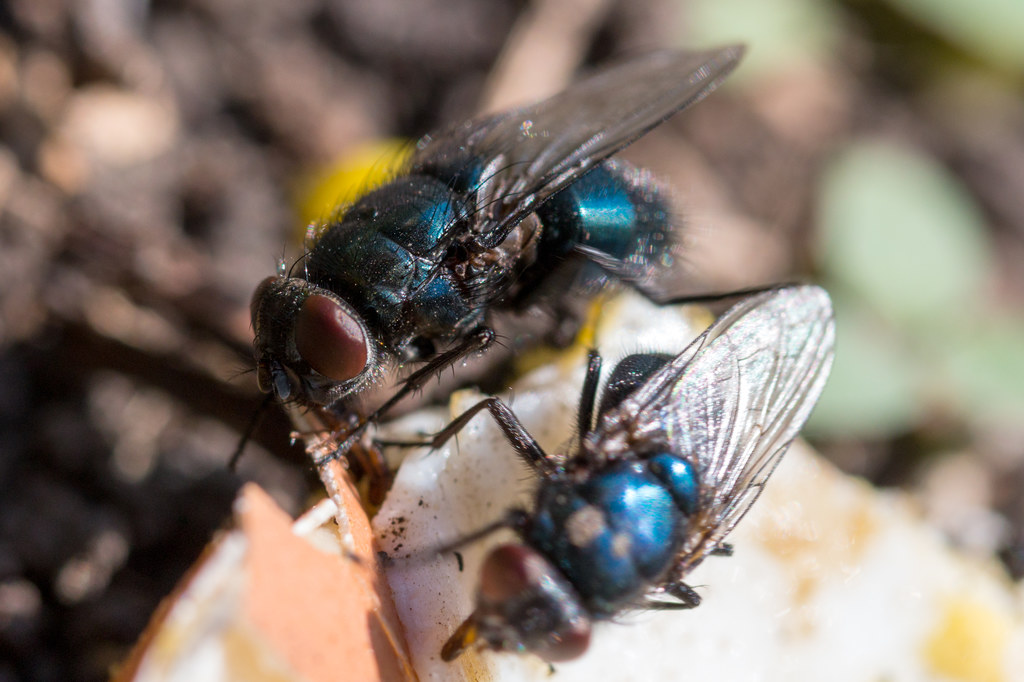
{"points": [[610, 535], [679, 478], [614, 208]]}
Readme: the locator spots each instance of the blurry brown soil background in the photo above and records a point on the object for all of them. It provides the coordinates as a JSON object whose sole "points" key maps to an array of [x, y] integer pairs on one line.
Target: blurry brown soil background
{"points": [[149, 158]]}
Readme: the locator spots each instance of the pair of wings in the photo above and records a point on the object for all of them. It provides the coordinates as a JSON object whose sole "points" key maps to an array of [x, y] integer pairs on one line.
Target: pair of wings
{"points": [[733, 401], [530, 154]]}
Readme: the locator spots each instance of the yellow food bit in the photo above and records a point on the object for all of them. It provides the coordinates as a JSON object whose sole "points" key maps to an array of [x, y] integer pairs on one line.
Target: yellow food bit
{"points": [[567, 358], [587, 335], [969, 643], [364, 168]]}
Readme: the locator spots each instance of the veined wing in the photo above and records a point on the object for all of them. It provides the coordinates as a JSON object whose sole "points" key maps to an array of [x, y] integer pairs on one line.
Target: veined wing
{"points": [[734, 400], [531, 153]]}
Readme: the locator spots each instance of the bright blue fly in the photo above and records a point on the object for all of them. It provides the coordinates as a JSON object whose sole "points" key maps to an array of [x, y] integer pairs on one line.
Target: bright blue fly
{"points": [[678, 450]]}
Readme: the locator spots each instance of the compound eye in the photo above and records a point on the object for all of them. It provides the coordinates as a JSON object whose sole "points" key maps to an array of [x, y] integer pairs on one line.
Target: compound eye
{"points": [[330, 339], [509, 571], [572, 641], [521, 584]]}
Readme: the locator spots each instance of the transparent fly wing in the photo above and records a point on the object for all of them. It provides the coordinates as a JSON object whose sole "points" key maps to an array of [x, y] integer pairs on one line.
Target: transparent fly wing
{"points": [[531, 153], [653, 277], [734, 400]]}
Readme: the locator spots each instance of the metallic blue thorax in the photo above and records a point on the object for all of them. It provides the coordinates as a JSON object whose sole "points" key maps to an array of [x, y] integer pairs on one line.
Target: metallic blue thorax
{"points": [[618, 530], [383, 255]]}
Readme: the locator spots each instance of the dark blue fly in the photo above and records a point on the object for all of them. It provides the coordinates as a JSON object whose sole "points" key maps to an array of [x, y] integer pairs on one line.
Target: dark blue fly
{"points": [[674, 455], [490, 215]]}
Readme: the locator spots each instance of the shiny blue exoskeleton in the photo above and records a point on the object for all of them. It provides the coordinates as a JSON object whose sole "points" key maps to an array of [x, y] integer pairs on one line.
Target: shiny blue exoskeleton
{"points": [[679, 449], [490, 215], [647, 500], [382, 256], [636, 526]]}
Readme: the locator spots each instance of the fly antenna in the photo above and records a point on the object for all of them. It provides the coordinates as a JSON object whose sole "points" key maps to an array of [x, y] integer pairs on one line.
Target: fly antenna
{"points": [[254, 423]]}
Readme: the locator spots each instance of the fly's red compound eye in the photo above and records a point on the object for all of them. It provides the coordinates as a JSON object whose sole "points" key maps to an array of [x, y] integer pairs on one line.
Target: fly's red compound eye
{"points": [[509, 571], [330, 339], [518, 583]]}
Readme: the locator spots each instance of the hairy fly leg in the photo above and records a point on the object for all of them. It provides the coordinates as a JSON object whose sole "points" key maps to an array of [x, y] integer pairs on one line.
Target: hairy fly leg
{"points": [[478, 340]]}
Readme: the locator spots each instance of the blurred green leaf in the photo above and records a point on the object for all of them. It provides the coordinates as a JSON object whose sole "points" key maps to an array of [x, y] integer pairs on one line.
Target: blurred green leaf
{"points": [[777, 32], [872, 392], [901, 232], [991, 29], [985, 364]]}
